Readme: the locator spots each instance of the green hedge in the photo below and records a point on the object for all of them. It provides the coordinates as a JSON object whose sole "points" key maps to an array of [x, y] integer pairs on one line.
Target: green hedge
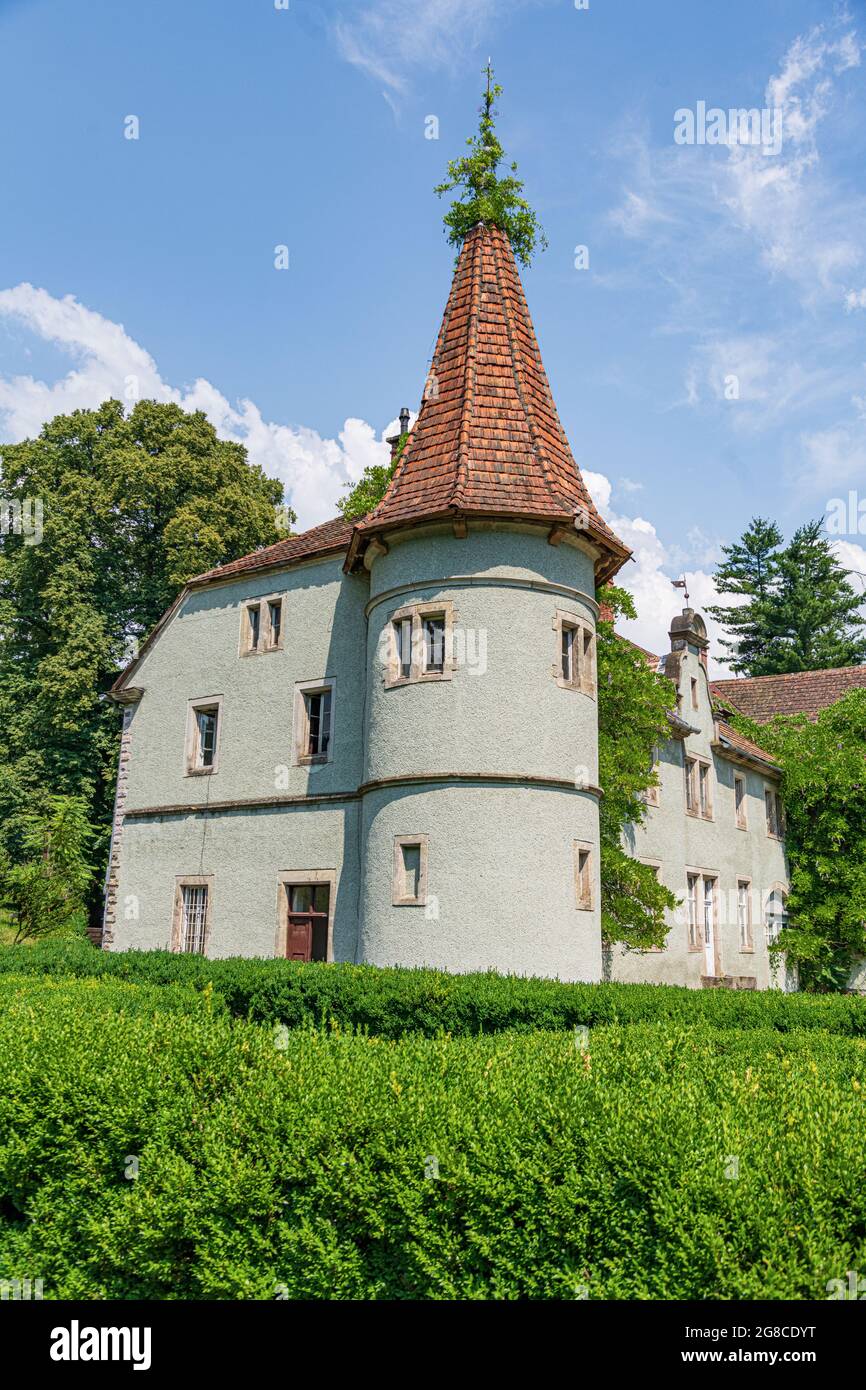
{"points": [[394, 1002], [665, 1162]]}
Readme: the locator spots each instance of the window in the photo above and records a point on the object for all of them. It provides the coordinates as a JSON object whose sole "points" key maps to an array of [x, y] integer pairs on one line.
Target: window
{"points": [[652, 795], [314, 721], [418, 644], [318, 710], [202, 736], [699, 787], [570, 666], [434, 645], [254, 618], [691, 790], [262, 626], [191, 923], [655, 866], [574, 668], [705, 790], [694, 881], [694, 693], [744, 913], [403, 635], [773, 806], [409, 885], [709, 901], [583, 875], [702, 898], [775, 914], [740, 802], [275, 621]]}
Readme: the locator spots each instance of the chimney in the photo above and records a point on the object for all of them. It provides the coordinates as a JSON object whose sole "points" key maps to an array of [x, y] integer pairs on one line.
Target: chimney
{"points": [[394, 439]]}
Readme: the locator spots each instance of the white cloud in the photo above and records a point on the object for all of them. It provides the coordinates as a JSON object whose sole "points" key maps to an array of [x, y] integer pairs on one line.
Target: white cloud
{"points": [[832, 458], [387, 37], [686, 197], [108, 362], [636, 213], [648, 576], [855, 299]]}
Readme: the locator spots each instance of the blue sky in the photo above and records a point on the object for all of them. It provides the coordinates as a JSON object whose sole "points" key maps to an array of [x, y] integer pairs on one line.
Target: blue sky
{"points": [[708, 365]]}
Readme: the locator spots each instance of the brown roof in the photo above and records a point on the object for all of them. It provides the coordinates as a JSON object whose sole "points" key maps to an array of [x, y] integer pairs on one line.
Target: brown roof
{"points": [[744, 745], [801, 692], [330, 538], [487, 440]]}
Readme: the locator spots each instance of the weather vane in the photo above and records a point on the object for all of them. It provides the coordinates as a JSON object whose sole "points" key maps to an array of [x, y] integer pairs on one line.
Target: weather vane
{"points": [[681, 584]]}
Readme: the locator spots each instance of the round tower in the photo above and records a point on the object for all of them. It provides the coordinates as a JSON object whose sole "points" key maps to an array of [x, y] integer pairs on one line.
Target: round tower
{"points": [[479, 826]]}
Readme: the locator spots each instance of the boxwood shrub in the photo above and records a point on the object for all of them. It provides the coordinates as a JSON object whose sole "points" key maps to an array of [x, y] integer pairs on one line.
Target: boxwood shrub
{"points": [[661, 1161], [393, 1002]]}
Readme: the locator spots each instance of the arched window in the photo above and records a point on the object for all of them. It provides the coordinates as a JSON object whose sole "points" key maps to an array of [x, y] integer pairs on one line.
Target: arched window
{"points": [[775, 914]]}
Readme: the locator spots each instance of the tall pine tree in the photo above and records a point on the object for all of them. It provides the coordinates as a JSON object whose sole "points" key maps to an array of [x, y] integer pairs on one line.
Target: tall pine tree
{"points": [[800, 613], [749, 571], [813, 616]]}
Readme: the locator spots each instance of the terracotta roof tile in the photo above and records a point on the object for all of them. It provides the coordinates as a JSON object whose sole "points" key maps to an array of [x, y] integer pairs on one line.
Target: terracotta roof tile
{"points": [[744, 745], [332, 537], [801, 692], [488, 440]]}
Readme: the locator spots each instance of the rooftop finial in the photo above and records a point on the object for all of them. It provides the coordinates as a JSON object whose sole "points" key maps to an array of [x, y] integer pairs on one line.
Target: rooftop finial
{"points": [[486, 198]]}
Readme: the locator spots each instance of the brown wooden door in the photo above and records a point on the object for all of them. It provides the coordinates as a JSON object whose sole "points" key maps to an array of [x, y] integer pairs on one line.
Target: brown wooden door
{"points": [[307, 929], [299, 938]]}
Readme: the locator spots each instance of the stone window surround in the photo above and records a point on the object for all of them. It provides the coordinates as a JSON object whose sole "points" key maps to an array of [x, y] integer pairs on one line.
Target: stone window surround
{"points": [[398, 897], [190, 881], [741, 820], [692, 871], [417, 612], [191, 747], [289, 878], [750, 935], [584, 901], [300, 758], [657, 865], [265, 644], [586, 682], [693, 777]]}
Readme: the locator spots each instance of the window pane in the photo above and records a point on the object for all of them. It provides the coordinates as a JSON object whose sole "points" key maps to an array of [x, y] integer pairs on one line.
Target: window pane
{"points": [[207, 724], [318, 722], [321, 893], [300, 897], [708, 910], [194, 917], [275, 615], [411, 870], [254, 616], [434, 644], [568, 654], [325, 730], [693, 909], [403, 638]]}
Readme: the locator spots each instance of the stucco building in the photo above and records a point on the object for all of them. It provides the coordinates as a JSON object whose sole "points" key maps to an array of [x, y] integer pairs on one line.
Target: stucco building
{"points": [[378, 741]]}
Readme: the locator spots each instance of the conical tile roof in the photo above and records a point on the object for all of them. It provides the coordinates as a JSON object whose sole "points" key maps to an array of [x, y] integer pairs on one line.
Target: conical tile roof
{"points": [[487, 440]]}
